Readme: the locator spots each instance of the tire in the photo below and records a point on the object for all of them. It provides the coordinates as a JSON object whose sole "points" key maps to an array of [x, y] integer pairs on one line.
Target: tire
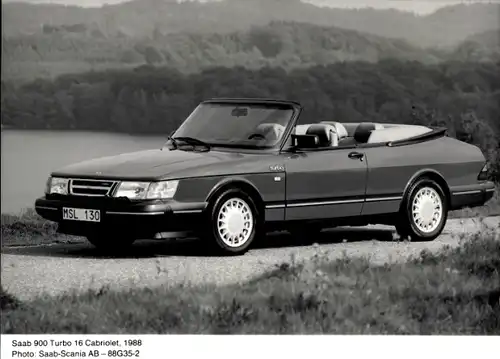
{"points": [[108, 243], [424, 212], [232, 223]]}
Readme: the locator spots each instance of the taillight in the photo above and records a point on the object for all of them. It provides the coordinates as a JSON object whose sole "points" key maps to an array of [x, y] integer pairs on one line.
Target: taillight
{"points": [[483, 175]]}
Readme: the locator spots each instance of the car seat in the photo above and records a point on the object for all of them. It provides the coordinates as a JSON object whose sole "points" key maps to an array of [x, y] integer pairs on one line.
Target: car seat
{"points": [[327, 134]]}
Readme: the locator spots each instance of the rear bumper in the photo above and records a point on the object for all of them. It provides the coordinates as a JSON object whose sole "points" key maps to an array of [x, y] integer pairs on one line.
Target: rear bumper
{"points": [[145, 219], [472, 196]]}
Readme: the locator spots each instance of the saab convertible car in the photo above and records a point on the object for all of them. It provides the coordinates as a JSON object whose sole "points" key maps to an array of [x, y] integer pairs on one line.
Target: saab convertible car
{"points": [[237, 168]]}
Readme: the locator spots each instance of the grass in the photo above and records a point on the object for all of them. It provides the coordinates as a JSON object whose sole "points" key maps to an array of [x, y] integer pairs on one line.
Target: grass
{"points": [[28, 228], [455, 291]]}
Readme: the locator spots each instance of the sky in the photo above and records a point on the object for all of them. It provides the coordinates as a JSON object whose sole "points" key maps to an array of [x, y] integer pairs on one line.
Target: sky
{"points": [[418, 6], [421, 7]]}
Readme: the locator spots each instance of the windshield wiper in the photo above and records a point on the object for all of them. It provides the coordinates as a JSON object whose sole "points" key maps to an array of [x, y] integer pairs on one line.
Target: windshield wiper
{"points": [[191, 141], [173, 141]]}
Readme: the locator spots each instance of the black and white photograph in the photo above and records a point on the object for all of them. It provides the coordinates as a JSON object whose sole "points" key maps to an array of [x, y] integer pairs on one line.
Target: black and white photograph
{"points": [[247, 167]]}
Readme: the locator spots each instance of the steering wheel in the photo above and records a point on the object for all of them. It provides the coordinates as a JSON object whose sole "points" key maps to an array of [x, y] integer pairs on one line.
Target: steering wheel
{"points": [[257, 135]]}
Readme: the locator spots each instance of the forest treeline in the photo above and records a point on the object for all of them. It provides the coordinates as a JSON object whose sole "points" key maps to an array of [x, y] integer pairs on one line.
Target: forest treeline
{"points": [[143, 18], [464, 97], [278, 44], [286, 45], [283, 42]]}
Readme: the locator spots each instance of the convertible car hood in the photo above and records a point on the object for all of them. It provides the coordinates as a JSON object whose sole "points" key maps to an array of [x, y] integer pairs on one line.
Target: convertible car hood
{"points": [[165, 164]]}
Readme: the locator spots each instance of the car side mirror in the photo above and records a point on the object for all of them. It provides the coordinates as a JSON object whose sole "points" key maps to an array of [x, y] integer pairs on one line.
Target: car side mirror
{"points": [[305, 141]]}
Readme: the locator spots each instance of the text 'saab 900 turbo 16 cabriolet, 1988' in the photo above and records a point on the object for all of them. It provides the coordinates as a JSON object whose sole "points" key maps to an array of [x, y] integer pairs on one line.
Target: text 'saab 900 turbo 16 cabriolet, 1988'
{"points": [[237, 168]]}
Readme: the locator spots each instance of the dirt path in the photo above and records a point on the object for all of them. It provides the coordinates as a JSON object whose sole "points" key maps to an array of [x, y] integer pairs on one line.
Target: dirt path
{"points": [[55, 269]]}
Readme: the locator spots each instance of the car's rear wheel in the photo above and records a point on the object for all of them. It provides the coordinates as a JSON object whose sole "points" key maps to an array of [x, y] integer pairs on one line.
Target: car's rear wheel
{"points": [[110, 243], [233, 223], [424, 212]]}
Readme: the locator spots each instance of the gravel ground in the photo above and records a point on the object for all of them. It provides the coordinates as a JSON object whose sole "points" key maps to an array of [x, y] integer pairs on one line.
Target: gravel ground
{"points": [[55, 269]]}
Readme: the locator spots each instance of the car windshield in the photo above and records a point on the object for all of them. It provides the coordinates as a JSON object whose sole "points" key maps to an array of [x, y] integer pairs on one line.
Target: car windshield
{"points": [[237, 125]]}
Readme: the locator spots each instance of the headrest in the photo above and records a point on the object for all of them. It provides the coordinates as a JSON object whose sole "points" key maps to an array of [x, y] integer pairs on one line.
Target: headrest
{"points": [[327, 135], [340, 128], [351, 128], [301, 129], [363, 132], [272, 131]]}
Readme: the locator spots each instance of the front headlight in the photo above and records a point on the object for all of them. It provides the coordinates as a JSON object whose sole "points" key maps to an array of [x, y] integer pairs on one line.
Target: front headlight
{"points": [[147, 190], [57, 185], [162, 190], [132, 190]]}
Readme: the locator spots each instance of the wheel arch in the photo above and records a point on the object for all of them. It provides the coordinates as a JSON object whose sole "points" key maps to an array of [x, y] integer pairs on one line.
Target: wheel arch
{"points": [[432, 175], [239, 183]]}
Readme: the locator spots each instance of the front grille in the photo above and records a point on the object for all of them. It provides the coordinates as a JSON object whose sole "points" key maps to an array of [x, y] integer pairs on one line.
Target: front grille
{"points": [[93, 188]]}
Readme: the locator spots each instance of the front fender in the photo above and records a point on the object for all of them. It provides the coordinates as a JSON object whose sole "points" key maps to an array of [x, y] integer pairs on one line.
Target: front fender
{"points": [[268, 189]]}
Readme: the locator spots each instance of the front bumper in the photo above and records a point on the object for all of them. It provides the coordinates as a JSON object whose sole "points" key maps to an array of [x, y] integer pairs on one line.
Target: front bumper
{"points": [[472, 196], [140, 219]]}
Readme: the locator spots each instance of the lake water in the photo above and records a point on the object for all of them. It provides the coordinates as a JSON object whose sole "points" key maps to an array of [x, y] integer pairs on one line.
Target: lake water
{"points": [[28, 157]]}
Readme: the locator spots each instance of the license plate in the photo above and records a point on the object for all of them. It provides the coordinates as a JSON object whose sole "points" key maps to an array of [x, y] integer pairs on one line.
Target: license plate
{"points": [[80, 214]]}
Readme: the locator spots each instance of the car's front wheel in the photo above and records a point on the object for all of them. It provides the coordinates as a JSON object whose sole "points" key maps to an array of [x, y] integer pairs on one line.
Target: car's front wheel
{"points": [[424, 212], [233, 223]]}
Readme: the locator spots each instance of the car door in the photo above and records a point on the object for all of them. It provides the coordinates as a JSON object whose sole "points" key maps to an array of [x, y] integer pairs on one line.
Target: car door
{"points": [[325, 184]]}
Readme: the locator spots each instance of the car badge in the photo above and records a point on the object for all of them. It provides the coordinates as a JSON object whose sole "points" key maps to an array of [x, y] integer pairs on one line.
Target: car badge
{"points": [[277, 168]]}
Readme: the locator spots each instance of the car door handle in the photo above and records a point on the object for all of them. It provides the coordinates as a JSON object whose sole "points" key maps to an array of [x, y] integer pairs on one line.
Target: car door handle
{"points": [[358, 155]]}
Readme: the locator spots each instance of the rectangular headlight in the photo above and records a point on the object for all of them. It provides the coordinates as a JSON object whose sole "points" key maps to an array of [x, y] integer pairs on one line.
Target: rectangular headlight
{"points": [[147, 190], [132, 190], [162, 190], [57, 185]]}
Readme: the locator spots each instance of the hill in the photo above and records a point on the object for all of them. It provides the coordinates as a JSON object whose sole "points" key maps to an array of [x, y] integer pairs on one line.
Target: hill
{"points": [[283, 44], [480, 47], [145, 18]]}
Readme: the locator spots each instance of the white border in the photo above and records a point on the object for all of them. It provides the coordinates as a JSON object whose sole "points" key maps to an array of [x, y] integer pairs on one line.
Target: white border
{"points": [[269, 346]]}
